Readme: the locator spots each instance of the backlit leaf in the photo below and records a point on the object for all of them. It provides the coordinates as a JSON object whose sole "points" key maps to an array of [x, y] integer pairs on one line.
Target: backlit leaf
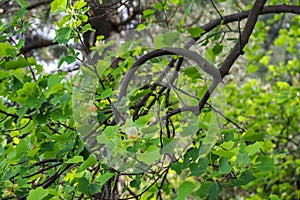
{"points": [[196, 32], [37, 194]]}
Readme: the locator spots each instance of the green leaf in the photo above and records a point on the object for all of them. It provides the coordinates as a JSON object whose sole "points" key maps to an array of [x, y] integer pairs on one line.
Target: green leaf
{"points": [[141, 27], [274, 197], [283, 38], [158, 42], [243, 159], [194, 73], [188, 9], [192, 153], [174, 2], [58, 6], [265, 60], [47, 146], [283, 85], [21, 112], [37, 194], [104, 178], [187, 131], [210, 56], [227, 145], [21, 13], [217, 49], [135, 182], [142, 121], [54, 89], [63, 35], [177, 167], [148, 13], [79, 4], [228, 134], [245, 178], [68, 59], [242, 147], [202, 192], [184, 190], [106, 93], [199, 168], [86, 28], [203, 124], [93, 188], [111, 131], [224, 167], [41, 118], [6, 49], [166, 40], [223, 153], [158, 6], [251, 68], [253, 136], [83, 185], [22, 3], [253, 148], [214, 190], [15, 64], [54, 79], [21, 44], [149, 158], [76, 159], [88, 163], [21, 148], [170, 38], [195, 32], [264, 164], [101, 66]]}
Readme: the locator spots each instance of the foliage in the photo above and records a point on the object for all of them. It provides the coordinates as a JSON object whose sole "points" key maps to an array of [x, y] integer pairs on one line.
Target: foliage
{"points": [[67, 135]]}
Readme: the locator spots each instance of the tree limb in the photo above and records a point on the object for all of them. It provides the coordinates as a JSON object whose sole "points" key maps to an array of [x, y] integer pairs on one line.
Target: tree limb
{"points": [[37, 4], [238, 47], [243, 39], [242, 15], [38, 44]]}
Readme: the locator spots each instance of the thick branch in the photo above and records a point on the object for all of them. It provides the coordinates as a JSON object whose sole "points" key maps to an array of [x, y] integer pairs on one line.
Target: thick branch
{"points": [[242, 15], [53, 178], [13, 115], [36, 45], [238, 47], [244, 38], [37, 4]]}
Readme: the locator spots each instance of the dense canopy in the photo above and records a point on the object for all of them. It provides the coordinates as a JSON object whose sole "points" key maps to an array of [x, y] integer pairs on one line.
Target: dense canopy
{"points": [[159, 99]]}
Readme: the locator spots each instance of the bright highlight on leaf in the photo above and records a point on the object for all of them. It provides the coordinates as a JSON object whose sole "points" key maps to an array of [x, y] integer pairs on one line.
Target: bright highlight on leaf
{"points": [[58, 6], [37, 194], [195, 32]]}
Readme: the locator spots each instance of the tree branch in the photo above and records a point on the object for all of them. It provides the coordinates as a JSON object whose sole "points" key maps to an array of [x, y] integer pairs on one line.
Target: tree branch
{"points": [[244, 38], [242, 15], [13, 115], [252, 15], [32, 6], [38, 44], [237, 49]]}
